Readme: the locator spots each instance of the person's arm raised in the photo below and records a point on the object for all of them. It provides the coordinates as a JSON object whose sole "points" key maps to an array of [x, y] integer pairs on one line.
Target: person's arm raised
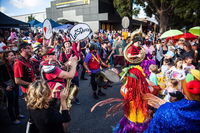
{"points": [[73, 63]]}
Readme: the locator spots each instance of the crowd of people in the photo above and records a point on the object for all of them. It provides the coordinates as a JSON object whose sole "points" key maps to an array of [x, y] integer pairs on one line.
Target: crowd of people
{"points": [[39, 70]]}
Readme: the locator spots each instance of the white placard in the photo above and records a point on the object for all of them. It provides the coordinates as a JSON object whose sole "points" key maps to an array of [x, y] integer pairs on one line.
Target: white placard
{"points": [[79, 32], [47, 29], [125, 22]]}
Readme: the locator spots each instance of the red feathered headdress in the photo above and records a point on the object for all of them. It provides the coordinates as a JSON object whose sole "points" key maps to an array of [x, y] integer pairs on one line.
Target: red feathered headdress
{"points": [[137, 86]]}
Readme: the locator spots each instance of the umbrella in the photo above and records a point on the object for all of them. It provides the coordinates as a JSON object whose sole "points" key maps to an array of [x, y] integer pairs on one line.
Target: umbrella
{"points": [[195, 31], [187, 36], [171, 33]]}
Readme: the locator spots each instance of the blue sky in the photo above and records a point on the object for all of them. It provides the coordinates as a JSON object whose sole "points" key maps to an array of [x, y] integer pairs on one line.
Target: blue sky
{"points": [[20, 7]]}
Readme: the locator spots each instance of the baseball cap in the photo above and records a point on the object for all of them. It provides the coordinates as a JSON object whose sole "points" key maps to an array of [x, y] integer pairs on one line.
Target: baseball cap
{"points": [[23, 45]]}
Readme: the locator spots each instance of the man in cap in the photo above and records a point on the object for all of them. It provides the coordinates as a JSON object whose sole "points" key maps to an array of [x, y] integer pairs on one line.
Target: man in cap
{"points": [[92, 64], [105, 53], [23, 69]]}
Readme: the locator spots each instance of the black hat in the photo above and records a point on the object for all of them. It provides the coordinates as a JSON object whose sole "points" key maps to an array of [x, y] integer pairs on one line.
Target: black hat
{"points": [[23, 45], [179, 95], [138, 39], [93, 47]]}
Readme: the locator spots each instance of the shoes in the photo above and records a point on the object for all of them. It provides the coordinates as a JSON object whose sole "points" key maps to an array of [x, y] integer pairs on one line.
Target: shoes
{"points": [[20, 116], [77, 101], [100, 93], [16, 122], [95, 96], [84, 79]]}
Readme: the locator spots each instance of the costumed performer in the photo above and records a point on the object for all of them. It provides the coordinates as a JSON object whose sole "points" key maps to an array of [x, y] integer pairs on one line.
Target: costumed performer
{"points": [[181, 116]]}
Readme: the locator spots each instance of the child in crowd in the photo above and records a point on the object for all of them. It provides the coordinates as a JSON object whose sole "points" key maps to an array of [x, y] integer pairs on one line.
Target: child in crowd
{"points": [[187, 65], [171, 88], [153, 77], [154, 55], [166, 66], [176, 72]]}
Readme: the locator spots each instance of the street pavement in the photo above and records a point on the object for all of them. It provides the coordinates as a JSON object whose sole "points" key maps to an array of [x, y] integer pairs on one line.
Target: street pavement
{"points": [[83, 121]]}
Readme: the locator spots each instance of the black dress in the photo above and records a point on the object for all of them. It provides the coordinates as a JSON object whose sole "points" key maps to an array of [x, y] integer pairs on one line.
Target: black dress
{"points": [[49, 120], [6, 78]]}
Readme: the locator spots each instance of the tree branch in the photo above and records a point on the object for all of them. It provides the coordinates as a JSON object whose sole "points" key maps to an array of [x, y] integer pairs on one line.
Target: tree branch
{"points": [[154, 3]]}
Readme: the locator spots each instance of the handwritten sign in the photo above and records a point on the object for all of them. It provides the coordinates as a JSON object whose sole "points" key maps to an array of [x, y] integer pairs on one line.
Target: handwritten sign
{"points": [[79, 32], [47, 29]]}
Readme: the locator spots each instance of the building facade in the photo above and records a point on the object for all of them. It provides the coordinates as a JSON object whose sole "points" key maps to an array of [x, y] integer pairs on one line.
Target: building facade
{"points": [[98, 14], [40, 16]]}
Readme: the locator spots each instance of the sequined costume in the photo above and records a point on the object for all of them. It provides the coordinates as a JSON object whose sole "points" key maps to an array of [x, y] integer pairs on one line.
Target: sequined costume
{"points": [[178, 117]]}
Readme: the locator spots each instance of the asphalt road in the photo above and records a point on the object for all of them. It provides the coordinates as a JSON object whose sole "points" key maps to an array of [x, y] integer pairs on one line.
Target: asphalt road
{"points": [[83, 121]]}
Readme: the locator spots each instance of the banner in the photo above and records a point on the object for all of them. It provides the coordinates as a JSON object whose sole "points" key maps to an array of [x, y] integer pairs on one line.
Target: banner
{"points": [[79, 32]]}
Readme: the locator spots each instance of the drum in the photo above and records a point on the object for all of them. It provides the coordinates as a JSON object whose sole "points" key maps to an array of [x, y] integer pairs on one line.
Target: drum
{"points": [[103, 77], [111, 75]]}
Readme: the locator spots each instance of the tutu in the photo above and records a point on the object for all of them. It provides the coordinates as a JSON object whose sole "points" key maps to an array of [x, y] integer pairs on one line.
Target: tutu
{"points": [[126, 126]]}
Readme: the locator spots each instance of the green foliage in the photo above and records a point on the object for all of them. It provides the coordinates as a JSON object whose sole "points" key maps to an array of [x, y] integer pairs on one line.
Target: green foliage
{"points": [[124, 7], [180, 13], [63, 21], [135, 11], [31, 17]]}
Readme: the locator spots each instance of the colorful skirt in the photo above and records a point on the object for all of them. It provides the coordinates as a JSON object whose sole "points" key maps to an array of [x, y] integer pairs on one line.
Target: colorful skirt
{"points": [[126, 126]]}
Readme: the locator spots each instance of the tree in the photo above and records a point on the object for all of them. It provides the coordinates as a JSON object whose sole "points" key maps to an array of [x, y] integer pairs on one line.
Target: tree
{"points": [[31, 17], [172, 12], [124, 8]]}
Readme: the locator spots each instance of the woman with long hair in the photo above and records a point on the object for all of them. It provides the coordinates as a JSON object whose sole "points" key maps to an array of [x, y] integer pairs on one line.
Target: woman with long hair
{"points": [[46, 118], [64, 56], [11, 89]]}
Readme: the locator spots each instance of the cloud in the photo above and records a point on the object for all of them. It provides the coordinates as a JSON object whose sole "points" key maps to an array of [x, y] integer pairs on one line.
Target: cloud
{"points": [[3, 9], [28, 4]]}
